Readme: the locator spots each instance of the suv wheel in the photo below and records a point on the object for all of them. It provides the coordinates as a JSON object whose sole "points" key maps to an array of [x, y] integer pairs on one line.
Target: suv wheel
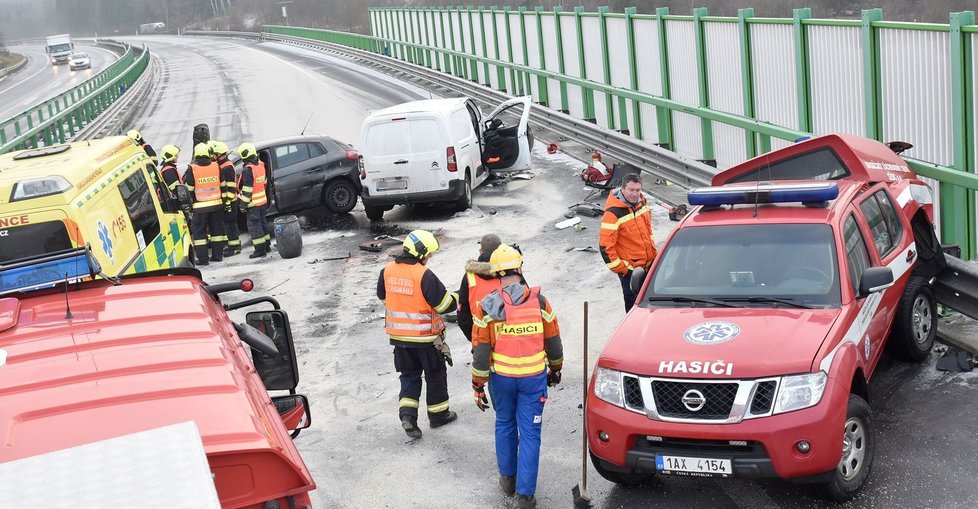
{"points": [[374, 213], [915, 325], [465, 201], [339, 196], [622, 478], [858, 451]]}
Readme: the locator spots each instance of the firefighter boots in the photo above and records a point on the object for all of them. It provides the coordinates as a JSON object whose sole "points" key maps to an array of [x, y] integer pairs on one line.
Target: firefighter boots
{"points": [[232, 251], [442, 418], [526, 502], [411, 427], [508, 483]]}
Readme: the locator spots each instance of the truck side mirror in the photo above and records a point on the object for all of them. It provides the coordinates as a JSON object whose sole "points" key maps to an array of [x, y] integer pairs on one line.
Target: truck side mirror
{"points": [[294, 411], [638, 278], [875, 279], [278, 372]]}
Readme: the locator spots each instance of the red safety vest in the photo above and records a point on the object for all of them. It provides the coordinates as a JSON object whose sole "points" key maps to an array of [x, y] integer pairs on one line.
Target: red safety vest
{"points": [[207, 185], [409, 316], [258, 197], [519, 351]]}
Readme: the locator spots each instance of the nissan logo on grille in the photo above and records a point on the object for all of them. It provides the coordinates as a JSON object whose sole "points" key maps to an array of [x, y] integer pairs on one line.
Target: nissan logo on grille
{"points": [[693, 400]]}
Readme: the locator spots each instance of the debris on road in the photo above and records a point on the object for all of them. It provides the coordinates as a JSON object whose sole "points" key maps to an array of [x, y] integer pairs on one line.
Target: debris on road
{"points": [[521, 176], [956, 361], [589, 209], [586, 249], [678, 212], [330, 258], [568, 223]]}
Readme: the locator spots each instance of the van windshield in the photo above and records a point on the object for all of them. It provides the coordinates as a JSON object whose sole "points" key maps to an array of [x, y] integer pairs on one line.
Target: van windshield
{"points": [[33, 239]]}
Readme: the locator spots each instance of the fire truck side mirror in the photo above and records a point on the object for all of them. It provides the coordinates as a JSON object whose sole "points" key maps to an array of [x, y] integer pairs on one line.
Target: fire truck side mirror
{"points": [[875, 279], [638, 278], [278, 372], [294, 410]]}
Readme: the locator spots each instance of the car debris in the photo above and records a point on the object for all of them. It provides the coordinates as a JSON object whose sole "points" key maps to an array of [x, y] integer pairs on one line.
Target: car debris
{"points": [[330, 258], [585, 249], [568, 223], [678, 212], [955, 361]]}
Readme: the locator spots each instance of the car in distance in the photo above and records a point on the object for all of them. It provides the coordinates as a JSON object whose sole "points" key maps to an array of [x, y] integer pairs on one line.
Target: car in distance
{"points": [[79, 61], [308, 171]]}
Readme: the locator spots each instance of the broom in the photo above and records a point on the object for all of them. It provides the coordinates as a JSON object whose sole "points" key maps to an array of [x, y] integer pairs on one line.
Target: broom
{"points": [[581, 497]]}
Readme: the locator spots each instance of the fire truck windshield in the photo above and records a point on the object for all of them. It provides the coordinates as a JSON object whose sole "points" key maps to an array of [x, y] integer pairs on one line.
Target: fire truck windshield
{"points": [[792, 262]]}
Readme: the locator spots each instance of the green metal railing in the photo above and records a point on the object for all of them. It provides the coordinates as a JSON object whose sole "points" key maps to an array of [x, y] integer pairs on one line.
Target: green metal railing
{"points": [[958, 180], [59, 118]]}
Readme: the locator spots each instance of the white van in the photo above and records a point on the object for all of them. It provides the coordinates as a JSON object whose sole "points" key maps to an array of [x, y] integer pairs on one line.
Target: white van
{"points": [[439, 150]]}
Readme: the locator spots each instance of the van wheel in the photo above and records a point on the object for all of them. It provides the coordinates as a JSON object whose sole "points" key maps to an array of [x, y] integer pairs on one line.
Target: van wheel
{"points": [[465, 201], [622, 478], [374, 213], [858, 451], [339, 196], [915, 325]]}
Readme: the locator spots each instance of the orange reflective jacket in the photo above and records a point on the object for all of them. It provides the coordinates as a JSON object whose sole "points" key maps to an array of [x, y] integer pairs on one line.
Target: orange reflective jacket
{"points": [[519, 350], [207, 185], [258, 196], [626, 235], [479, 288], [409, 316]]}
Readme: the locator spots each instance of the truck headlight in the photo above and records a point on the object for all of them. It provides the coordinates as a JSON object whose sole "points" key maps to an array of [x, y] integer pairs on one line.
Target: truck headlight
{"points": [[800, 391], [607, 386]]}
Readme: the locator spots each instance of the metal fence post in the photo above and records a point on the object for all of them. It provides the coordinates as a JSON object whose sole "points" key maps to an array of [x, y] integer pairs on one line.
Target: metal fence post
{"points": [[452, 63], [402, 18], [500, 70], [509, 52], [706, 126], [958, 203], [871, 72], [632, 73], [541, 80], [587, 94], [564, 107], [664, 115], [525, 82], [606, 67], [485, 48], [747, 75], [473, 63], [801, 69]]}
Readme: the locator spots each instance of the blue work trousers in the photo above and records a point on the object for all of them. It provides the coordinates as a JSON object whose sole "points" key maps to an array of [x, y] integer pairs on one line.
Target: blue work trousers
{"points": [[519, 419]]}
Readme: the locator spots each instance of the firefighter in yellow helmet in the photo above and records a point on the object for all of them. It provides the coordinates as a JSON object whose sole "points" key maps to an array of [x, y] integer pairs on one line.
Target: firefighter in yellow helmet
{"points": [[203, 179], [168, 170], [138, 140], [516, 348], [415, 298], [253, 200], [229, 195]]}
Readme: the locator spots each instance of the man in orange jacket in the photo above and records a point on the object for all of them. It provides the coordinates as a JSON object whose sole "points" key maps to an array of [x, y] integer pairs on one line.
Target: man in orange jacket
{"points": [[626, 239], [477, 283]]}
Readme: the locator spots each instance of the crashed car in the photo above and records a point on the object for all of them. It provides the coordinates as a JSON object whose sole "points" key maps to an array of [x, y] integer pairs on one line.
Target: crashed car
{"points": [[79, 61], [763, 318], [308, 171]]}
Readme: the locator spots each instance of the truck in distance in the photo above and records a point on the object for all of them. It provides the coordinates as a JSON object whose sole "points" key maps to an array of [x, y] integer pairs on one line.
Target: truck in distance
{"points": [[58, 47]]}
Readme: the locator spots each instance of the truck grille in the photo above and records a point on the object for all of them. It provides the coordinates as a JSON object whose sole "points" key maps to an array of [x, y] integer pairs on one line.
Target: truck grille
{"points": [[633, 393], [763, 397], [669, 399]]}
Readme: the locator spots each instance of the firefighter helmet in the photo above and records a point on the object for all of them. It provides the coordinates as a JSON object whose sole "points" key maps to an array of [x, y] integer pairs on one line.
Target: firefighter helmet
{"points": [[420, 243], [218, 148], [505, 258], [135, 136], [202, 150], [169, 153], [247, 151]]}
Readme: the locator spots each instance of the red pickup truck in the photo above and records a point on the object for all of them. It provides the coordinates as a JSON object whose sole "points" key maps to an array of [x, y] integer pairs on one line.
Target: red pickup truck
{"points": [[763, 318], [84, 360]]}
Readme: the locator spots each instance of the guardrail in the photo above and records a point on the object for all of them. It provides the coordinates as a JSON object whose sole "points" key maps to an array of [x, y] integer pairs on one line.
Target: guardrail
{"points": [[63, 116], [7, 71]]}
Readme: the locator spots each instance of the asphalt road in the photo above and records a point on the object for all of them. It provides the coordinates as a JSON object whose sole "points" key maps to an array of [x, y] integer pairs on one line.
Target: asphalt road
{"points": [[39, 80], [356, 450]]}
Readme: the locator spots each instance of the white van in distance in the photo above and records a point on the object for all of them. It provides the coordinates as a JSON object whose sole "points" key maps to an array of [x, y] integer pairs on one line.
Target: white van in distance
{"points": [[439, 150]]}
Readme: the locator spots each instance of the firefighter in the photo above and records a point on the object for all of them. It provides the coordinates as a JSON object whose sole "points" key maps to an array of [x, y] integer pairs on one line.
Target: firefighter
{"points": [[516, 347], [253, 200], [138, 140], [415, 298], [203, 180], [169, 171], [477, 282], [626, 240], [229, 193]]}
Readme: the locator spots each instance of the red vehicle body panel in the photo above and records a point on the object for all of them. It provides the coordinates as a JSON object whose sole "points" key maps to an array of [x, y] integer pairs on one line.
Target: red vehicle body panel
{"points": [[772, 342], [150, 352]]}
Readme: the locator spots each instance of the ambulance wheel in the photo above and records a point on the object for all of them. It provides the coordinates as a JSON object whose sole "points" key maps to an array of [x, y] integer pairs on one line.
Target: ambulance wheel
{"points": [[915, 325], [374, 213], [858, 451], [339, 196], [623, 478], [465, 201]]}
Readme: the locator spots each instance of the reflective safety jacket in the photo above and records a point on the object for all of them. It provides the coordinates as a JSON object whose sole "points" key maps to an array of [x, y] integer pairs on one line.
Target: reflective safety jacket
{"points": [[515, 334], [204, 181], [477, 283], [171, 176], [253, 184], [229, 186], [414, 298], [626, 240]]}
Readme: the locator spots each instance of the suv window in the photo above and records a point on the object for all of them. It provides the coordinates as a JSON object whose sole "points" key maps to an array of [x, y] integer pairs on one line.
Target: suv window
{"points": [[857, 257], [883, 223], [142, 212], [821, 164], [315, 150], [287, 155]]}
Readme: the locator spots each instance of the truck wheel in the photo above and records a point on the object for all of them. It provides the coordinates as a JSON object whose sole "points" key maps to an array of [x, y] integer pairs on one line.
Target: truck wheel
{"points": [[374, 213], [915, 325], [622, 478], [339, 196], [858, 450], [465, 201]]}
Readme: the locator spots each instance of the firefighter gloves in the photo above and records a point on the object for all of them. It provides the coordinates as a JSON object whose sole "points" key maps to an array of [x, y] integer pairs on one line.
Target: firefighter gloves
{"points": [[479, 396], [553, 378]]}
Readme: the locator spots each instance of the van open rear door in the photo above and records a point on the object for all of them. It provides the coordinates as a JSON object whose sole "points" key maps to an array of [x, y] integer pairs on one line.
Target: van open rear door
{"points": [[506, 139]]}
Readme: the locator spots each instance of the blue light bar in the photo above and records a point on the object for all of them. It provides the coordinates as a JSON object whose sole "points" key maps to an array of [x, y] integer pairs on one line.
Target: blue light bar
{"points": [[44, 271], [763, 193]]}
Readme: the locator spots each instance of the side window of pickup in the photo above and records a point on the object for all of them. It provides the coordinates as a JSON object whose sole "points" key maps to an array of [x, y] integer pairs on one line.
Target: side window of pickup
{"points": [[883, 222], [857, 257]]}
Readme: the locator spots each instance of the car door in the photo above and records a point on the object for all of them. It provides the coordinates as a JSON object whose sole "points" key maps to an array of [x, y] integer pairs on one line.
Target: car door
{"points": [[297, 173], [869, 321], [505, 136]]}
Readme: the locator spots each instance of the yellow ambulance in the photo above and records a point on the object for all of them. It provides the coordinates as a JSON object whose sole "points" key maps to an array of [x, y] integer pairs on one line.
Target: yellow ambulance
{"points": [[106, 193]]}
